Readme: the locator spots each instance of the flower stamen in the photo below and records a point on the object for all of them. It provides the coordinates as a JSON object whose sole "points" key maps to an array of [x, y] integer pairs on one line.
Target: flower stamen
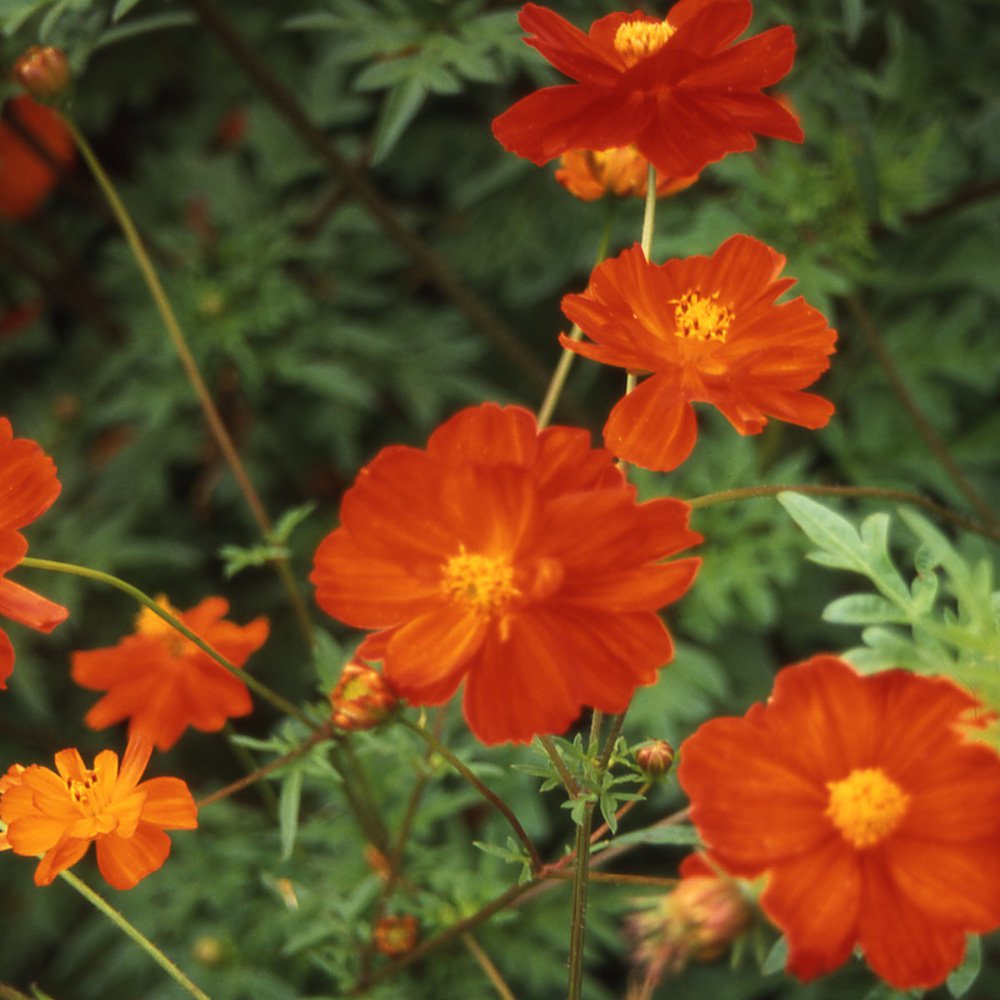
{"points": [[635, 40], [866, 806], [701, 317], [484, 582]]}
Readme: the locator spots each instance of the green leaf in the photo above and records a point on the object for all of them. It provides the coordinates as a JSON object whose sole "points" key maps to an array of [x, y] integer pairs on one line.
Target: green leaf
{"points": [[776, 958], [399, 108], [13, 13], [288, 810], [863, 609], [965, 975], [834, 534], [122, 8], [683, 835]]}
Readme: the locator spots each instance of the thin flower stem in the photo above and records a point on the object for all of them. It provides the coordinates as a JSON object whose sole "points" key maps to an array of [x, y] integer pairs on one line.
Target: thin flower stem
{"points": [[280, 703], [177, 338], [486, 792], [572, 788], [596, 724], [135, 934], [578, 918], [934, 442], [359, 793], [492, 973], [611, 878], [860, 492], [649, 214]]}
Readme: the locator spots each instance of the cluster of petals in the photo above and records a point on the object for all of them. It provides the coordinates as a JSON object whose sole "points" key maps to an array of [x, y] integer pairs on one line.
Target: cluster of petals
{"points": [[162, 682], [56, 814], [624, 172], [708, 330], [26, 176], [676, 88], [28, 487], [874, 817], [514, 560]]}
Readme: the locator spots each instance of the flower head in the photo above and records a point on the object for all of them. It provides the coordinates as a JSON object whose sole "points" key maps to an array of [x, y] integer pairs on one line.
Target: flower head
{"points": [[709, 331], [513, 559], [623, 172], [396, 935], [43, 71], [56, 814], [361, 699], [875, 820], [678, 88], [28, 487], [162, 683], [26, 177]]}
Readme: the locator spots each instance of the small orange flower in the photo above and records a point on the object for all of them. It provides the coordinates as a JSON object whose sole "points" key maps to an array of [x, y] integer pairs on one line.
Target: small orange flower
{"points": [[396, 935], [678, 88], [361, 698], [591, 174], [57, 815], [162, 683], [28, 487], [876, 821], [513, 559], [709, 331], [25, 177]]}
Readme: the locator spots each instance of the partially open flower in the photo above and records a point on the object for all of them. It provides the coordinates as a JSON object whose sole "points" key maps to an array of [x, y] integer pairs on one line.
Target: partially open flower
{"points": [[362, 698], [655, 758], [621, 171], [396, 935], [43, 71]]}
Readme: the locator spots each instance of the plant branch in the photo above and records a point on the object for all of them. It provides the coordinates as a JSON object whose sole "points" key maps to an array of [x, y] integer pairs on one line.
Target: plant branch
{"points": [[492, 973]]}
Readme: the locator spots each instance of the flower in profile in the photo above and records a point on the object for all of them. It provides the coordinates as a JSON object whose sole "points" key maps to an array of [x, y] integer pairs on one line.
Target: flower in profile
{"points": [[26, 177], [28, 487], [876, 821], [162, 682], [708, 330], [678, 89], [361, 699], [591, 174], [56, 814], [696, 921], [43, 71], [513, 559]]}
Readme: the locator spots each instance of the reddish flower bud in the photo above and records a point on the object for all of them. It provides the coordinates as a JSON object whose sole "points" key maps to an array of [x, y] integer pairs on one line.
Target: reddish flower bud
{"points": [[362, 698], [655, 758], [396, 935], [43, 71]]}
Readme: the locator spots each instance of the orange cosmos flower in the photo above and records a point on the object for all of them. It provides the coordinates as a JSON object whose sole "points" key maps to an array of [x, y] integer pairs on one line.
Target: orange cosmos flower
{"points": [[677, 89], [590, 174], [57, 815], [25, 177], [709, 331], [513, 559], [162, 683], [28, 487], [877, 823]]}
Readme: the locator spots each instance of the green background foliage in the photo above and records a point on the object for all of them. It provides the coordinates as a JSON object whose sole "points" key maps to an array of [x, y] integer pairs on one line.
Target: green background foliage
{"points": [[322, 339]]}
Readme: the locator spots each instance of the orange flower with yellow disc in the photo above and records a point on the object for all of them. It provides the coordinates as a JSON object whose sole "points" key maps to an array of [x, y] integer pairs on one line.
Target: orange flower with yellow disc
{"points": [[708, 330], [162, 682], [57, 814], [591, 174], [677, 88], [876, 821], [511, 559]]}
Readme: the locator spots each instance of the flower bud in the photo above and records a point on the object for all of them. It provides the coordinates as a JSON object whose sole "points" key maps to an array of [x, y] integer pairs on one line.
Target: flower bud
{"points": [[43, 71], [362, 698], [655, 758], [396, 935]]}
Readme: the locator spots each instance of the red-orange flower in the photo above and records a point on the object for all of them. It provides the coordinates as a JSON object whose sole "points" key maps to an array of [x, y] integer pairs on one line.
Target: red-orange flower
{"points": [[709, 331], [877, 823], [677, 89], [28, 487], [624, 172], [162, 682], [25, 176], [57, 815], [514, 559]]}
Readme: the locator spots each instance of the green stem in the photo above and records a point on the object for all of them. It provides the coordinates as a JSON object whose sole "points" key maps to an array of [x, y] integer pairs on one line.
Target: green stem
{"points": [[569, 783], [359, 793], [280, 703], [177, 338], [581, 883], [486, 792], [489, 969], [649, 213], [135, 934]]}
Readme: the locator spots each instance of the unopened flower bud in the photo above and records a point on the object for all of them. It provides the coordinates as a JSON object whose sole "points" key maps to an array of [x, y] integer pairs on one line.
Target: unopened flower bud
{"points": [[43, 71], [362, 698], [655, 758], [209, 950], [396, 935]]}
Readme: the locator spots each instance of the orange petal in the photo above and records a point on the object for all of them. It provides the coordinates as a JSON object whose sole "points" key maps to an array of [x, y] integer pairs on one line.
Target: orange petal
{"points": [[652, 427], [126, 861], [31, 609], [169, 804], [64, 856]]}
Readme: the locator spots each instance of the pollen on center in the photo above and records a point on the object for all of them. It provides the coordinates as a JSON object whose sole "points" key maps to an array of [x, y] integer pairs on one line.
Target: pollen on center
{"points": [[866, 806], [485, 582], [702, 317], [635, 40]]}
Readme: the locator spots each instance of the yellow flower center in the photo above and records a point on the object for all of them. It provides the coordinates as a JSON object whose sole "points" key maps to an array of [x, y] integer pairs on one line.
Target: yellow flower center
{"points": [[866, 806], [484, 582], [635, 40], [149, 623], [700, 317], [81, 790]]}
